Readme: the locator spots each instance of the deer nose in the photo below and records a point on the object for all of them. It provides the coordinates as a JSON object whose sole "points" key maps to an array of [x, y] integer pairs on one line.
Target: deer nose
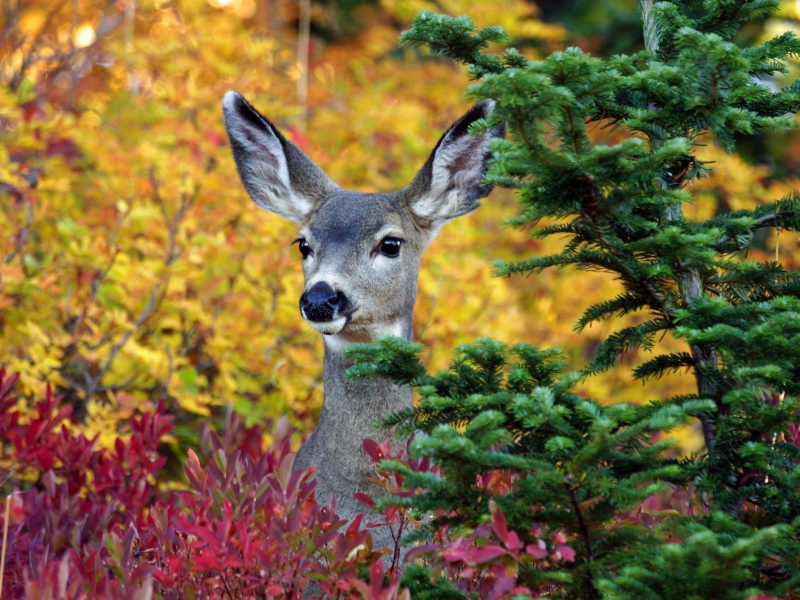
{"points": [[321, 303]]}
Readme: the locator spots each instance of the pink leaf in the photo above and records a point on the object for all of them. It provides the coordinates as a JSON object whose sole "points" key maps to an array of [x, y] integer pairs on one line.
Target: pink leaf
{"points": [[558, 538], [486, 553], [513, 542], [499, 525], [536, 551], [566, 552], [454, 555]]}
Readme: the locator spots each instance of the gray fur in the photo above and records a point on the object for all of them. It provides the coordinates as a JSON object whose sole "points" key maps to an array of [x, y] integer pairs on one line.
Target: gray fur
{"points": [[344, 231]]}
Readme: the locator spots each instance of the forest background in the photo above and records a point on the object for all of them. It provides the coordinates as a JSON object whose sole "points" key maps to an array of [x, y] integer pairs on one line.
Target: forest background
{"points": [[134, 267]]}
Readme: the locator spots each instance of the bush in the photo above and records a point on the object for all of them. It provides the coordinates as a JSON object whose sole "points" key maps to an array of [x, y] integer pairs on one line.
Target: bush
{"points": [[86, 522]]}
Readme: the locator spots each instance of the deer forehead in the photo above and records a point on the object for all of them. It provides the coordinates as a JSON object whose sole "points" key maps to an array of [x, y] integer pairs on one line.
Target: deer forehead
{"points": [[353, 220]]}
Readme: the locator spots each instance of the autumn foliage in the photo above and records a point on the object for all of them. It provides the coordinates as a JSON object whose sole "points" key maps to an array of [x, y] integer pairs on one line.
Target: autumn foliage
{"points": [[157, 373]]}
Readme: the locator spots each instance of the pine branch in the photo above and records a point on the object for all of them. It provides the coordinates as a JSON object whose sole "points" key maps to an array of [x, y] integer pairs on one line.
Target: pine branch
{"points": [[623, 304], [627, 339], [664, 364]]}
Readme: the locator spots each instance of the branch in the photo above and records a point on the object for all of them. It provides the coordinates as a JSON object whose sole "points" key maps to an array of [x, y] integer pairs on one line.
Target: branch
{"points": [[94, 285], [27, 60], [153, 302], [22, 234], [173, 253], [112, 243], [587, 540], [581, 522], [170, 370], [650, 33], [761, 222], [689, 281], [303, 39], [12, 18]]}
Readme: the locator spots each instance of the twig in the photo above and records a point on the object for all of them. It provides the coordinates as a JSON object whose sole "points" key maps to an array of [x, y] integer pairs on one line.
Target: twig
{"points": [[5, 540], [153, 302], [27, 60], [172, 224], [303, 38], [12, 18], [108, 23], [275, 18], [170, 370], [94, 285], [130, 14], [112, 243], [22, 234], [759, 223], [587, 540], [581, 522], [227, 589], [397, 538]]}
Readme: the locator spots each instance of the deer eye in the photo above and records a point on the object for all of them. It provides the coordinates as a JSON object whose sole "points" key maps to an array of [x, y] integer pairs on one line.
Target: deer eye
{"points": [[305, 248], [390, 247]]}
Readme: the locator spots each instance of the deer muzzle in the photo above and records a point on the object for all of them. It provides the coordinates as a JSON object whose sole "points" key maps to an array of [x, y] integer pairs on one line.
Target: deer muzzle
{"points": [[326, 310]]}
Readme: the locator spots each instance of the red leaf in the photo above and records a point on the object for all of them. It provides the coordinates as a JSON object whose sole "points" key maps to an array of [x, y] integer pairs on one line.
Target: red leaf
{"points": [[501, 586], [364, 499], [455, 554], [372, 450], [214, 138], [354, 527], [419, 551], [376, 577]]}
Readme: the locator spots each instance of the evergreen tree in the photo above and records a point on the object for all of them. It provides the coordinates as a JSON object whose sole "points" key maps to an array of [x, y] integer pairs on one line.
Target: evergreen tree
{"points": [[580, 467]]}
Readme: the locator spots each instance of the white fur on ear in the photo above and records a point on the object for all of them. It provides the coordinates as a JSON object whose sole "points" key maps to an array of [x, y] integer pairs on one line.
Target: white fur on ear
{"points": [[458, 167], [452, 179], [260, 156]]}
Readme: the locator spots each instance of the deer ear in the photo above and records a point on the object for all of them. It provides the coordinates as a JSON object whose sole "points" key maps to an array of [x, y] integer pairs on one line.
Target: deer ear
{"points": [[275, 172], [450, 183]]}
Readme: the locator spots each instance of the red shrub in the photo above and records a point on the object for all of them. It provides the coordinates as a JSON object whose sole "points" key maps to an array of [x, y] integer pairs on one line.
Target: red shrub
{"points": [[87, 522]]}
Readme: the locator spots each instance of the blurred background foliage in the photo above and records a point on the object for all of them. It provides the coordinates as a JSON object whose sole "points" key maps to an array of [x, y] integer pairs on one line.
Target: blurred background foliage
{"points": [[132, 264]]}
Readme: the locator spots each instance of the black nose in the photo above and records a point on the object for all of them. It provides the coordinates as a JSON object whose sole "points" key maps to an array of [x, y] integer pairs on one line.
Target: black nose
{"points": [[320, 303]]}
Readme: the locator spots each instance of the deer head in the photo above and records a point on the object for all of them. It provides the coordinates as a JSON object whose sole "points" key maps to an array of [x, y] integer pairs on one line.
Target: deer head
{"points": [[361, 252]]}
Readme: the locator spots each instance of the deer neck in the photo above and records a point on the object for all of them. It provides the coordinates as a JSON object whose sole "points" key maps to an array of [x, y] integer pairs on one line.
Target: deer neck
{"points": [[351, 407], [358, 401]]}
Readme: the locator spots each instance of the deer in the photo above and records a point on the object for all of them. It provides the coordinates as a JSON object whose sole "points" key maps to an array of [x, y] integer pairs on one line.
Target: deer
{"points": [[361, 256]]}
